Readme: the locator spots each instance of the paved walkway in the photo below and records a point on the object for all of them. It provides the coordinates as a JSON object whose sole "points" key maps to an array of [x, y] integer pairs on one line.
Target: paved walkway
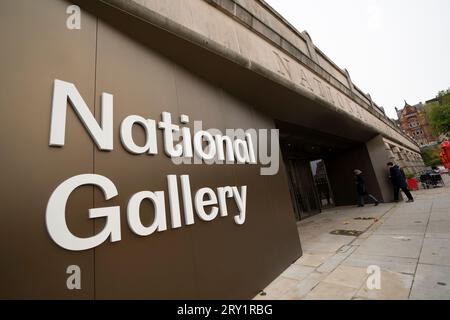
{"points": [[409, 242]]}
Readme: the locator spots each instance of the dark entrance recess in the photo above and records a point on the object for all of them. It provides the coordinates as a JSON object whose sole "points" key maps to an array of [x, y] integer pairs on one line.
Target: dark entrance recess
{"points": [[306, 154], [309, 187]]}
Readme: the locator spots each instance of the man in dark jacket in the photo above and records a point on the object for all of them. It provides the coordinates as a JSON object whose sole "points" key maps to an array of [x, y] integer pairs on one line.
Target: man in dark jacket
{"points": [[361, 189], [398, 180]]}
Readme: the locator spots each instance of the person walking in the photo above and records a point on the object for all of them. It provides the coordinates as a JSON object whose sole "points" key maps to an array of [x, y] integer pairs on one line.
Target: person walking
{"points": [[398, 180], [361, 189]]}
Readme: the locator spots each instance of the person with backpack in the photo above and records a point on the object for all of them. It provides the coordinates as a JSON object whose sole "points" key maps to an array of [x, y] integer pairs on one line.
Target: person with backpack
{"points": [[361, 189], [398, 180]]}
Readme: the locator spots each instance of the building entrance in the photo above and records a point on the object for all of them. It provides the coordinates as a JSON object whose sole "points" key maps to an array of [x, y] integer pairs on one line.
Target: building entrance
{"points": [[310, 161], [309, 187]]}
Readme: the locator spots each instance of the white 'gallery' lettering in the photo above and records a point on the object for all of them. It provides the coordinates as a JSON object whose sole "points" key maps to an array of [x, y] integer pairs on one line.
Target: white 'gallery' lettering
{"points": [[208, 204]]}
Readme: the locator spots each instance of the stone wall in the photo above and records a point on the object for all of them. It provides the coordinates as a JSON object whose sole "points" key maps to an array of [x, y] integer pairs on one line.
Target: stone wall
{"points": [[250, 30]]}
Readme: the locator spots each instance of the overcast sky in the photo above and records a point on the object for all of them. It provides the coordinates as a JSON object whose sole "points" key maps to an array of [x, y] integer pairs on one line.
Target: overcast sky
{"points": [[395, 50]]}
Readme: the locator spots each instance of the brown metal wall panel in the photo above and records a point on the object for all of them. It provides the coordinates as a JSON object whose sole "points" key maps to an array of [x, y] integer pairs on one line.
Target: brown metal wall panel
{"points": [[160, 265], [36, 48]]}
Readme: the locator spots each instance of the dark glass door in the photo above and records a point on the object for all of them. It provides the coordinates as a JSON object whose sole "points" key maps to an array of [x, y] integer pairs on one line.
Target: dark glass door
{"points": [[303, 191], [323, 189]]}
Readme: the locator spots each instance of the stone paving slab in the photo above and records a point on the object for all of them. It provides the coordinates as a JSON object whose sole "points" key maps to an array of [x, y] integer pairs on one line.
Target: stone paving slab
{"points": [[440, 215], [313, 259], [431, 282], [333, 262], [327, 243], [438, 229], [407, 219], [348, 276], [297, 272], [394, 264], [415, 229], [394, 286], [304, 287], [392, 246], [442, 203], [279, 288], [330, 291], [436, 251]]}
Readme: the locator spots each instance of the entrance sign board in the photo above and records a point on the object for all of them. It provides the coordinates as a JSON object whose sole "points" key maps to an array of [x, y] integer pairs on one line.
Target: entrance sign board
{"points": [[208, 203]]}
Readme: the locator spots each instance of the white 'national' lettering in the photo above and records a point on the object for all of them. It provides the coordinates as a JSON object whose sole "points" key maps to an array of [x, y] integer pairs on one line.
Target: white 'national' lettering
{"points": [[65, 91], [218, 146]]}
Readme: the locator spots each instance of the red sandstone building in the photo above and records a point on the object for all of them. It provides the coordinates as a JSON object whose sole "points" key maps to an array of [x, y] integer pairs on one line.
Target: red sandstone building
{"points": [[413, 120]]}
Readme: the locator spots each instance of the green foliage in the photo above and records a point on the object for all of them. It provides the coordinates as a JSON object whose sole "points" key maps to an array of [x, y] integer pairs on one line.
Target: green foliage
{"points": [[443, 93], [431, 156], [438, 115], [410, 175]]}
